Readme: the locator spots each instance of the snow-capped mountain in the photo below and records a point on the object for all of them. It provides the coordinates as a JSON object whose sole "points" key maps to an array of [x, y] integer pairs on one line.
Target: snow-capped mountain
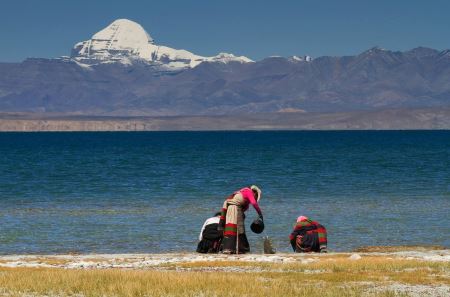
{"points": [[125, 41]]}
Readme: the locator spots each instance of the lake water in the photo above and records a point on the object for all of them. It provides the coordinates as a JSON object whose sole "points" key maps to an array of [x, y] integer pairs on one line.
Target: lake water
{"points": [[151, 191]]}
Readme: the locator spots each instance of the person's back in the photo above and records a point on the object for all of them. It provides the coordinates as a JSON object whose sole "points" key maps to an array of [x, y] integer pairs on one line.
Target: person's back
{"points": [[308, 236], [210, 238]]}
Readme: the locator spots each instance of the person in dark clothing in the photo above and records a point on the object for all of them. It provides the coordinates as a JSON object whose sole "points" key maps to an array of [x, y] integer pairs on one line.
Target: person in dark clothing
{"points": [[210, 238], [308, 236]]}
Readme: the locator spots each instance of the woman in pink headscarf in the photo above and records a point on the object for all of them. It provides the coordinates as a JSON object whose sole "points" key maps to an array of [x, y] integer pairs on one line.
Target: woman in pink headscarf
{"points": [[232, 219], [308, 236]]}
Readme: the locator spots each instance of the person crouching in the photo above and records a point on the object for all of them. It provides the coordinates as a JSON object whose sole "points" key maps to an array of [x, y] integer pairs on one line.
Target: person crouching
{"points": [[308, 236], [210, 238]]}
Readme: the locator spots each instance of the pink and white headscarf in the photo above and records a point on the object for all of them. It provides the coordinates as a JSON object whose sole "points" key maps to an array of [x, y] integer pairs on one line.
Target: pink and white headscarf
{"points": [[258, 190], [302, 218]]}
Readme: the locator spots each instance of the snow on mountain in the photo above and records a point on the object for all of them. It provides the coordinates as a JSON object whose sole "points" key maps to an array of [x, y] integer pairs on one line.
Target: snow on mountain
{"points": [[224, 58], [125, 41], [300, 59]]}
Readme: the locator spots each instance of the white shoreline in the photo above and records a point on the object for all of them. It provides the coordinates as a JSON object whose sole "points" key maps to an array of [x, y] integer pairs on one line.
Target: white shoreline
{"points": [[154, 261]]}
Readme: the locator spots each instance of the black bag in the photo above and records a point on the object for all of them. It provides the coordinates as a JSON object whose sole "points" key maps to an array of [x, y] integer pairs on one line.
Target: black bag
{"points": [[257, 226]]}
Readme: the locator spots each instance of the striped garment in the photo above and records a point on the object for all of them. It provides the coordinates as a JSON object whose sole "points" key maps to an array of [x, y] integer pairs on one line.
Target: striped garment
{"points": [[308, 236], [232, 222], [232, 215]]}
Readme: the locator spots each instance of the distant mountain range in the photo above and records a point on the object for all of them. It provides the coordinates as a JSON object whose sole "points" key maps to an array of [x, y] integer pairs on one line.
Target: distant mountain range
{"points": [[120, 71]]}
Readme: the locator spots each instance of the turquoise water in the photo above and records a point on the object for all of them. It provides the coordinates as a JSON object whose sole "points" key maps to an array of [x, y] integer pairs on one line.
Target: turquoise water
{"points": [[151, 191]]}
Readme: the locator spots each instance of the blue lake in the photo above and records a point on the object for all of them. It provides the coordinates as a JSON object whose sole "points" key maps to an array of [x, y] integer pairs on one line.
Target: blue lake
{"points": [[151, 191]]}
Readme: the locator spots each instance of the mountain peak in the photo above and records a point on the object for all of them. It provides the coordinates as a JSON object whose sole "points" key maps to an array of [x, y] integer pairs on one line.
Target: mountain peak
{"points": [[124, 41], [297, 59], [376, 49], [123, 32], [422, 51], [120, 38]]}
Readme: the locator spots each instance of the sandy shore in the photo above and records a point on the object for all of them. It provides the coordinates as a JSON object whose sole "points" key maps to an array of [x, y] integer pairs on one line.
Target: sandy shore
{"points": [[158, 261]]}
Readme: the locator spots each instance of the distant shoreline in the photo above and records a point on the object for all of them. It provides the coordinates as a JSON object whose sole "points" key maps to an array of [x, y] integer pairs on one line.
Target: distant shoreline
{"points": [[389, 119]]}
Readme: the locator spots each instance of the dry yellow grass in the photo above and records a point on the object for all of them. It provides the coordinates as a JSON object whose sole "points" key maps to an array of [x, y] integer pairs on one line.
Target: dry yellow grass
{"points": [[331, 276], [155, 283]]}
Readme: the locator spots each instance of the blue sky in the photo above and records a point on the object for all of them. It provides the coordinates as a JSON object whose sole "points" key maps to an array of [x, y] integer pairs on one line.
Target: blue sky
{"points": [[257, 29]]}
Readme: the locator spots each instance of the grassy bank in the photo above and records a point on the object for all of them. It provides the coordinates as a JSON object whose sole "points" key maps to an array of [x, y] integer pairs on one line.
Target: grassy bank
{"points": [[334, 275]]}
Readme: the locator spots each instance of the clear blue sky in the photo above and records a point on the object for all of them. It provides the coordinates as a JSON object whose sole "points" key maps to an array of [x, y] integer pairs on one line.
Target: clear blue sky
{"points": [[257, 29]]}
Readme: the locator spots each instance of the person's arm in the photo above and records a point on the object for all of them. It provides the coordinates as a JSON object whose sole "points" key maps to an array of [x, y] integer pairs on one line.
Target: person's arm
{"points": [[293, 238], [248, 194], [221, 225]]}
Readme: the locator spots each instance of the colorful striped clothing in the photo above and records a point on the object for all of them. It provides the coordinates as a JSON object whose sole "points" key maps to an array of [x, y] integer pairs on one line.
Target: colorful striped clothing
{"points": [[308, 236], [241, 198], [232, 212], [232, 220]]}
